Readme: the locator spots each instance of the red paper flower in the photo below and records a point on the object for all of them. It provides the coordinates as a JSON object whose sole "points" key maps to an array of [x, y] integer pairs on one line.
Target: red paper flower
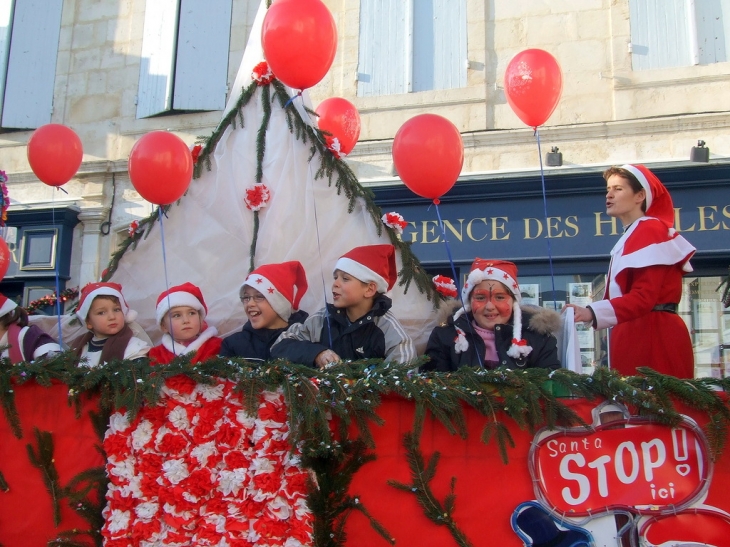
{"points": [[445, 285], [257, 197], [262, 73], [195, 152], [333, 145], [395, 221]]}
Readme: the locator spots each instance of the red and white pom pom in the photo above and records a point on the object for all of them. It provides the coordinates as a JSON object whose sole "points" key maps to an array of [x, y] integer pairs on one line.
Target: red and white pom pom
{"points": [[446, 286], [257, 197], [333, 144], [395, 221], [195, 152], [460, 343], [262, 73], [133, 227]]}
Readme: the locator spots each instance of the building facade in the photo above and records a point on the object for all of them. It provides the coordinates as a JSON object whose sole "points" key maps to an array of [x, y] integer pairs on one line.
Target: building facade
{"points": [[643, 81]]}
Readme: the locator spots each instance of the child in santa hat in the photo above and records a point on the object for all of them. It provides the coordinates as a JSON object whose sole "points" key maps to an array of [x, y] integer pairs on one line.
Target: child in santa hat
{"points": [[270, 296], [644, 280], [493, 329], [359, 324], [22, 342], [181, 315], [106, 314]]}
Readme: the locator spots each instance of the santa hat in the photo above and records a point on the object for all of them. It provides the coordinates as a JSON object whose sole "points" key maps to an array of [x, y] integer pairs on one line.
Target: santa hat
{"points": [[506, 273], [6, 305], [92, 290], [283, 285], [186, 294], [374, 263], [658, 201]]}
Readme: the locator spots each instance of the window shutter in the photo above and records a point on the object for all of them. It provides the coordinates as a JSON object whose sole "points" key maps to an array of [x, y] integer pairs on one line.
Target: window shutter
{"points": [[31, 67], [201, 70], [157, 59], [6, 29], [660, 34], [439, 44], [384, 32], [713, 29]]}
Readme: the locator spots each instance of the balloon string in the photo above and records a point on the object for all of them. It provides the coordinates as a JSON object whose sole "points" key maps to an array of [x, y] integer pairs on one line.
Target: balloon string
{"points": [[453, 271], [57, 275], [160, 214], [544, 205], [291, 99], [319, 242]]}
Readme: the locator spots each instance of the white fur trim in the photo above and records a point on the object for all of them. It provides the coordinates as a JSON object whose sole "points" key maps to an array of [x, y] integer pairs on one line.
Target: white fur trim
{"points": [[175, 299], [179, 349], [83, 310], [361, 272], [278, 301], [476, 276], [460, 342], [7, 307], [666, 253], [45, 349], [605, 314], [642, 180]]}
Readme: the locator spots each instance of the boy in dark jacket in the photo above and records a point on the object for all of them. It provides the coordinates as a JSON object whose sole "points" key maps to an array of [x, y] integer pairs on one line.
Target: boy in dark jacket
{"points": [[270, 295], [493, 329], [359, 324]]}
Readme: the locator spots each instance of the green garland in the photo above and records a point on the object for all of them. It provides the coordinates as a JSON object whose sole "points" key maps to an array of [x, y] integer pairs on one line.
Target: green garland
{"points": [[335, 170], [350, 394]]}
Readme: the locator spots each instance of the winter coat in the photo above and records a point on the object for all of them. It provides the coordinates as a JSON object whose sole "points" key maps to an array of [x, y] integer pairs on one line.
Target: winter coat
{"points": [[539, 324], [31, 341], [205, 346], [376, 335], [255, 344]]}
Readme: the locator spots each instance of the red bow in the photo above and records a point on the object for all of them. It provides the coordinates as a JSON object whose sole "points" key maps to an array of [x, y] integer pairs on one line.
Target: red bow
{"points": [[517, 342]]}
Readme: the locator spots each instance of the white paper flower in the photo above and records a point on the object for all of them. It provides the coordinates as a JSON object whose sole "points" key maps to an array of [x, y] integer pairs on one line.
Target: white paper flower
{"points": [[117, 422], [179, 418], [231, 481], [147, 509], [175, 470], [118, 521], [280, 508], [142, 434], [203, 451], [210, 393]]}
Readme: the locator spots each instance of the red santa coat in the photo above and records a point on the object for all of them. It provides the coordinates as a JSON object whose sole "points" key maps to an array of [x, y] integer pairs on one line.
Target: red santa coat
{"points": [[205, 346], [647, 265]]}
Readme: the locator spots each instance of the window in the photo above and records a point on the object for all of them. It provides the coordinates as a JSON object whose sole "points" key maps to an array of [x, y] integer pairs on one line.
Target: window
{"points": [[184, 64], [29, 31], [671, 33], [411, 45]]}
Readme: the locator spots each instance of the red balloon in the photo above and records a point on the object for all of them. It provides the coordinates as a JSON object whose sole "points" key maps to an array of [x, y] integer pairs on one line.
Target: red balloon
{"points": [[533, 84], [339, 117], [299, 39], [4, 258], [160, 167], [428, 154], [54, 153]]}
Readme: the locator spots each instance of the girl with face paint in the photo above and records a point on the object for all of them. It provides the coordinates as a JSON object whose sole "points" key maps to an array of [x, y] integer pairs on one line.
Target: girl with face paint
{"points": [[493, 329]]}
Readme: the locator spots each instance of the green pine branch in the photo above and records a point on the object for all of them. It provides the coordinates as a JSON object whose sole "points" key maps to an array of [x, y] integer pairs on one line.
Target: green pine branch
{"points": [[422, 473], [42, 458]]}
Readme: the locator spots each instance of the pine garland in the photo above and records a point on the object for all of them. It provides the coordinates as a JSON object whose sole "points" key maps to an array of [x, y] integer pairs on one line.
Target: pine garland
{"points": [[422, 474], [332, 168], [43, 459], [329, 498]]}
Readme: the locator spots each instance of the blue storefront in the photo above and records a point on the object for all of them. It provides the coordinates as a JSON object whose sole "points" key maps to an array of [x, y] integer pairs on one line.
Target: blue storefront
{"points": [[504, 216]]}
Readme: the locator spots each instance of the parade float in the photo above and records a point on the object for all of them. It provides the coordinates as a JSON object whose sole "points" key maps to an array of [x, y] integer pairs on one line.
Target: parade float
{"points": [[232, 453]]}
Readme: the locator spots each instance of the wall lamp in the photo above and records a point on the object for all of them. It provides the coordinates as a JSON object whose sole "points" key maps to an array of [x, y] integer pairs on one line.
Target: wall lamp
{"points": [[700, 153], [554, 158]]}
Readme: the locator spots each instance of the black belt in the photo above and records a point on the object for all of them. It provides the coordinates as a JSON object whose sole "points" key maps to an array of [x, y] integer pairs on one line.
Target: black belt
{"points": [[671, 308]]}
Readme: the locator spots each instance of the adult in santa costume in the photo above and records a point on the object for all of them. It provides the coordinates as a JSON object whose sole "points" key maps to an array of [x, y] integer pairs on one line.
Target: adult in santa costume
{"points": [[644, 281], [493, 329]]}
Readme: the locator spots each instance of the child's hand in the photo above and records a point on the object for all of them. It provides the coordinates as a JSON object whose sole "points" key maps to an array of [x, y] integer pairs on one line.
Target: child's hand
{"points": [[325, 358]]}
